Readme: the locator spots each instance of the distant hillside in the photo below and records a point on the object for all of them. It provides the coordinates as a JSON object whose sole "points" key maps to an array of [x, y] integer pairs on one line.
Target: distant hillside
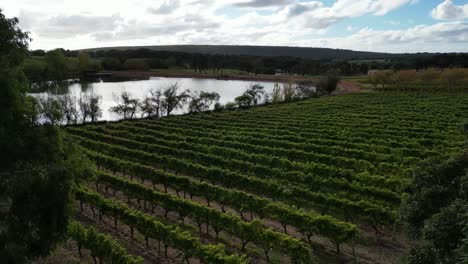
{"points": [[264, 51]]}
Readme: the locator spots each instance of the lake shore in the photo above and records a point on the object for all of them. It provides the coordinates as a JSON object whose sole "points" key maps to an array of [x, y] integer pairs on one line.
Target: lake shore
{"points": [[181, 74], [345, 86]]}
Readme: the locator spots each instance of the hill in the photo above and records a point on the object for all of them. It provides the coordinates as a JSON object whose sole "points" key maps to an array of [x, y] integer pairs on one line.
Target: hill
{"points": [[263, 51]]}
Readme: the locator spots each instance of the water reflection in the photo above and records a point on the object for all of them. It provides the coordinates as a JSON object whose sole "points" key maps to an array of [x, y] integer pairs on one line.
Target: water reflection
{"points": [[108, 89]]}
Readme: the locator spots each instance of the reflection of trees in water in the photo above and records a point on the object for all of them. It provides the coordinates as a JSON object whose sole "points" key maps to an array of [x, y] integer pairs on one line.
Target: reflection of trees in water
{"points": [[62, 87], [52, 87], [86, 87]]}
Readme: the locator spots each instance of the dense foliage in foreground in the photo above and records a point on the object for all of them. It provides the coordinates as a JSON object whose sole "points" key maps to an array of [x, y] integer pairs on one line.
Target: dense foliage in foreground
{"points": [[321, 167], [37, 165]]}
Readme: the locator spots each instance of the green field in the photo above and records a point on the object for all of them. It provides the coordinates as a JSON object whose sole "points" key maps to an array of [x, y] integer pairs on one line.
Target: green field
{"points": [[318, 180]]}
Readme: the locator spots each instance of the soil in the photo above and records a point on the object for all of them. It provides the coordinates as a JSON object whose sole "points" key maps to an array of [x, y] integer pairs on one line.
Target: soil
{"points": [[347, 87]]}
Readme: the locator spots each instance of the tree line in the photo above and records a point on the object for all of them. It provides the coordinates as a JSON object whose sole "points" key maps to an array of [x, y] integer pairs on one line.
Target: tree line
{"points": [[44, 65], [424, 80]]}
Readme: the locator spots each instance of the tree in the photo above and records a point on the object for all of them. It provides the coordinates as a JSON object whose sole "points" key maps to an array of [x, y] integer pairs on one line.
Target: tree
{"points": [[84, 61], [152, 104], [255, 92], [243, 101], [37, 165], [112, 64], [56, 65], [452, 76], [289, 93], [34, 70], [372, 79], [276, 95], [202, 101], [13, 102], [305, 90], [146, 107], [89, 106], [428, 76], [50, 110], [172, 99], [445, 229], [127, 106], [250, 97], [95, 111], [83, 104], [328, 83], [434, 210], [364, 68], [382, 77], [136, 64], [70, 111], [230, 106], [218, 107], [401, 77]]}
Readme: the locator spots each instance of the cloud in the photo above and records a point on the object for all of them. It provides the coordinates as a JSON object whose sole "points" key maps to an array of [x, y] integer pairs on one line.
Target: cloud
{"points": [[137, 29], [315, 15], [382, 7], [300, 8], [448, 11], [166, 7], [416, 39], [90, 23], [263, 3], [65, 26]]}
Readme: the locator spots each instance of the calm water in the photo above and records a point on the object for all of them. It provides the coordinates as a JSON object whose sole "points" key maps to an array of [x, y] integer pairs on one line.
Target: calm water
{"points": [[227, 89]]}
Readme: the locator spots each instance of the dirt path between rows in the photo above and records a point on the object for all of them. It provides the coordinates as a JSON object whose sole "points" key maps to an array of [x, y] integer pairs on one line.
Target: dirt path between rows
{"points": [[389, 248]]}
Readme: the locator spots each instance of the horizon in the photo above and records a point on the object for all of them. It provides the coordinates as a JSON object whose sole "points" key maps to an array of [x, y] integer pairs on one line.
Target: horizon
{"points": [[403, 26], [271, 46]]}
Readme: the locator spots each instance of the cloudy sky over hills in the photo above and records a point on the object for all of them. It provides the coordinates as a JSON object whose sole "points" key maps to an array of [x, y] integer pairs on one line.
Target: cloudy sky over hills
{"points": [[374, 25]]}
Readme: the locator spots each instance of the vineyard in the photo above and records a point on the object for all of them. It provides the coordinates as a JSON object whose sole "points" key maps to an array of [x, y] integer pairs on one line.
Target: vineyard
{"points": [[315, 181]]}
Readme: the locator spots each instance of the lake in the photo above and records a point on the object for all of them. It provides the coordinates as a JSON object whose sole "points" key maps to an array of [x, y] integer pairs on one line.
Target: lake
{"points": [[227, 89]]}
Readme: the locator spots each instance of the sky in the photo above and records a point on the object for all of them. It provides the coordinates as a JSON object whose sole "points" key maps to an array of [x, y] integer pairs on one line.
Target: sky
{"points": [[368, 25]]}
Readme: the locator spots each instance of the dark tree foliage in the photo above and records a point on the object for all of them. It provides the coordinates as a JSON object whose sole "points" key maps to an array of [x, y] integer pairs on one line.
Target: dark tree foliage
{"points": [[202, 101], [56, 65], [37, 166], [328, 83], [217, 59], [290, 60], [435, 212], [13, 102]]}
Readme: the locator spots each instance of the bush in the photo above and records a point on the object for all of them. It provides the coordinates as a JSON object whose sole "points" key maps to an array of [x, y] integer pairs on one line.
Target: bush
{"points": [[328, 83]]}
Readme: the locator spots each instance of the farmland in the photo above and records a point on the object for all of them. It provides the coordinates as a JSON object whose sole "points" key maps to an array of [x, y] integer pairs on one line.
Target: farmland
{"points": [[319, 180]]}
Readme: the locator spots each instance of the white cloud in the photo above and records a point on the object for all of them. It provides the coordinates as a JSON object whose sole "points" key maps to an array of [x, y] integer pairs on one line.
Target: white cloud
{"points": [[65, 26], [90, 23], [263, 3], [416, 39], [448, 11], [382, 7], [317, 16], [165, 8]]}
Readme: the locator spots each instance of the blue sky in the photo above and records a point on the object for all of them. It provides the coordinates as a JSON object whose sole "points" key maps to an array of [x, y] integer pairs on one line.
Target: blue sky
{"points": [[375, 25]]}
